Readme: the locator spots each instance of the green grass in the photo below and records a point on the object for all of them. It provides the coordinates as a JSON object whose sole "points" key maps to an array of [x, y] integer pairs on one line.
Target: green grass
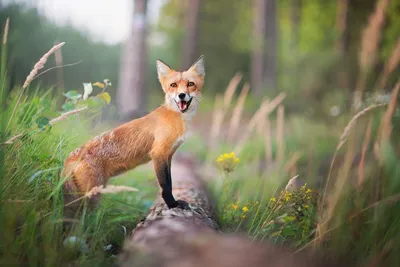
{"points": [[364, 224]]}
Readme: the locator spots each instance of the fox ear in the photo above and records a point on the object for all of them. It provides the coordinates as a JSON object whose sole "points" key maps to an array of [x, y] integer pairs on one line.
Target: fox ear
{"points": [[198, 66], [162, 68]]}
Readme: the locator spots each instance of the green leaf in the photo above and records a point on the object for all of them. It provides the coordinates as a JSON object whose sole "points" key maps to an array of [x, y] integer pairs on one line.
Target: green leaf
{"points": [[288, 232], [68, 106], [42, 121], [106, 96], [73, 95]]}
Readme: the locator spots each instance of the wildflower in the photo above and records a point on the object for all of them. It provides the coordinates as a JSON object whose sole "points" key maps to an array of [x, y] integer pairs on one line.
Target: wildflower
{"points": [[306, 206], [245, 209], [235, 207], [227, 161], [308, 191], [273, 199]]}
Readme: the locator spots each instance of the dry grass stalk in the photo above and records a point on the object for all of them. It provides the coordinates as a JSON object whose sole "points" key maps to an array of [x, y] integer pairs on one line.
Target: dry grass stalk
{"points": [[361, 165], [252, 124], [265, 109], [6, 28], [371, 36], [237, 112], [268, 142], [353, 121], [385, 128], [370, 39], [343, 138], [280, 125], [40, 64], [67, 114], [221, 108], [340, 183], [110, 189], [217, 117], [390, 66], [291, 163], [230, 90], [51, 122], [12, 139]]}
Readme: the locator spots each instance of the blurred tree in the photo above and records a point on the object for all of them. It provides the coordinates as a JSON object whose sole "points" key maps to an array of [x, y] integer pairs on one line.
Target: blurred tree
{"points": [[192, 14], [341, 41], [295, 12], [132, 96], [258, 46], [31, 35], [271, 44]]}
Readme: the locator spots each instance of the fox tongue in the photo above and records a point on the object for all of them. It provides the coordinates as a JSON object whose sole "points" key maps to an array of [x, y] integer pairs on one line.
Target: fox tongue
{"points": [[182, 105]]}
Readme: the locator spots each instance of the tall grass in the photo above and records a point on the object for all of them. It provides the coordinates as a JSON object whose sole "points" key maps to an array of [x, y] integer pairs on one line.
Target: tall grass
{"points": [[34, 142]]}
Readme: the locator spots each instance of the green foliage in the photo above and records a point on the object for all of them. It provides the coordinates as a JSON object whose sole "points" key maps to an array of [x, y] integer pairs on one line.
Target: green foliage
{"points": [[31, 201]]}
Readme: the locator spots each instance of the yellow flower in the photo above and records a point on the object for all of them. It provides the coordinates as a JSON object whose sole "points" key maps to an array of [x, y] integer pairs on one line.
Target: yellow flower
{"points": [[273, 199], [245, 209], [306, 206], [308, 191], [227, 161]]}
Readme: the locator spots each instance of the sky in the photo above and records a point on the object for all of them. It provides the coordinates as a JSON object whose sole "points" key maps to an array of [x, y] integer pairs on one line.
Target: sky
{"points": [[105, 20]]}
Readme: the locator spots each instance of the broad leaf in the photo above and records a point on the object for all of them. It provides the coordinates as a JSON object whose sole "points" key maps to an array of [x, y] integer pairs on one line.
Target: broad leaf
{"points": [[73, 95], [42, 122]]}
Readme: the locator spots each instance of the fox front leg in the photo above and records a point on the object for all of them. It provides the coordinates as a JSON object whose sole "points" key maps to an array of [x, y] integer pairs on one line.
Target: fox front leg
{"points": [[162, 168], [181, 203]]}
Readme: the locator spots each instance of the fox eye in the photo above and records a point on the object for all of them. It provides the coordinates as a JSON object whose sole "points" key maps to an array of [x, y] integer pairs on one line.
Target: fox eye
{"points": [[190, 84], [174, 85]]}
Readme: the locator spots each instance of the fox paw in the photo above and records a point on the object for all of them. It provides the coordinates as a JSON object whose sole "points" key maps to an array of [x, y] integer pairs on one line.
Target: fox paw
{"points": [[180, 204]]}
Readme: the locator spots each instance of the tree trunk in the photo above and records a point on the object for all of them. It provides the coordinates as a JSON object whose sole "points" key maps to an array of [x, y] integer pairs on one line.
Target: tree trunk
{"points": [[180, 238], [132, 96], [191, 33], [271, 43], [341, 42], [295, 12], [257, 57]]}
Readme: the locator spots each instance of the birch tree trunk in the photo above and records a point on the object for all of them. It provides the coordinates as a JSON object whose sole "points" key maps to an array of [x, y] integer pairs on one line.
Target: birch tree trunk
{"points": [[183, 238], [131, 94]]}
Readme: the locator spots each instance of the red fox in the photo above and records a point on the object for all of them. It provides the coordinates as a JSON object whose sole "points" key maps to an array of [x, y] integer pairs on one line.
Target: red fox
{"points": [[155, 137]]}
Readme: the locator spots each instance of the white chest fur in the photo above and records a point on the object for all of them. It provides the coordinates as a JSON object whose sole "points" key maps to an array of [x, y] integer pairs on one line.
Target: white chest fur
{"points": [[179, 141]]}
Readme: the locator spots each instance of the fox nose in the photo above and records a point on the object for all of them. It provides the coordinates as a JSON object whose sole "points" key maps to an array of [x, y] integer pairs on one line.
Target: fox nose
{"points": [[182, 96]]}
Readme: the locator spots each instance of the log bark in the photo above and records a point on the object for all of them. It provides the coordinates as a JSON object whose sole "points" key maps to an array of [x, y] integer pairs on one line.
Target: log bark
{"points": [[180, 238]]}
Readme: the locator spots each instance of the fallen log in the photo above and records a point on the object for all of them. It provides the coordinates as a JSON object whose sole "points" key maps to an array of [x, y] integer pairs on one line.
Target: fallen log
{"points": [[183, 238]]}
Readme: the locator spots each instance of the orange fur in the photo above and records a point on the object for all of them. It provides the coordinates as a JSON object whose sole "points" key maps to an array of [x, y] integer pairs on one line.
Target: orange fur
{"points": [[155, 136]]}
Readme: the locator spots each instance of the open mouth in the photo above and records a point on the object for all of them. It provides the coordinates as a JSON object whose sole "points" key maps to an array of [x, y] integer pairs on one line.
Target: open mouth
{"points": [[183, 105]]}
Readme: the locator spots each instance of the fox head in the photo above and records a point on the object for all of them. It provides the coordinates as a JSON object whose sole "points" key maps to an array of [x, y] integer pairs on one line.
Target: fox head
{"points": [[182, 89]]}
